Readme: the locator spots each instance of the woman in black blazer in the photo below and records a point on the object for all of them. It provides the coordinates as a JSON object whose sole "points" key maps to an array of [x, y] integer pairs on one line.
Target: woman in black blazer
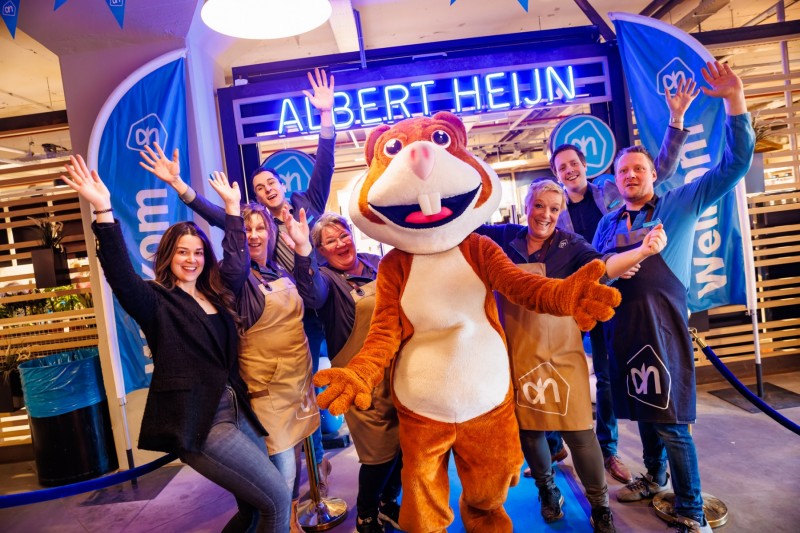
{"points": [[197, 404]]}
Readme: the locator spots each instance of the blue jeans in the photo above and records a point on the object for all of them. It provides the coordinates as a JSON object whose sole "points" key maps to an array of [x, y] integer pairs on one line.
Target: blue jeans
{"points": [[234, 457], [674, 443], [606, 421], [286, 464]]}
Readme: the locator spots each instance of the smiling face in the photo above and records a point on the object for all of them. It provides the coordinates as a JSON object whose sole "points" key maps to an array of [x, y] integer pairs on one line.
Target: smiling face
{"points": [[188, 260], [571, 171], [337, 247], [635, 176], [260, 238], [543, 211], [270, 192]]}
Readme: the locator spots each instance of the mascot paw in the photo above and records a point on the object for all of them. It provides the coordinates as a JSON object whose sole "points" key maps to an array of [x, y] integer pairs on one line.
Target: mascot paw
{"points": [[345, 388], [591, 301]]}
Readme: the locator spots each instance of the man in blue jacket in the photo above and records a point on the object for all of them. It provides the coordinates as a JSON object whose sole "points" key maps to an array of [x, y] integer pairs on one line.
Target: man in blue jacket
{"points": [[648, 336], [586, 205]]}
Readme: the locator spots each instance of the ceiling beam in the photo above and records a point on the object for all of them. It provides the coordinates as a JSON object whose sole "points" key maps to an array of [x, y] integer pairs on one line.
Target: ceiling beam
{"points": [[652, 7], [664, 10], [704, 10], [343, 24], [595, 18], [761, 32]]}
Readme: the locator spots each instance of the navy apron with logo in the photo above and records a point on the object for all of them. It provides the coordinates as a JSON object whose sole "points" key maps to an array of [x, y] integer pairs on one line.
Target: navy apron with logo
{"points": [[650, 352]]}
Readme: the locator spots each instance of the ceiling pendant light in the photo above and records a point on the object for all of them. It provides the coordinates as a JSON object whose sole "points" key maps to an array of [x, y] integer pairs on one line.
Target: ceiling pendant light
{"points": [[264, 19]]}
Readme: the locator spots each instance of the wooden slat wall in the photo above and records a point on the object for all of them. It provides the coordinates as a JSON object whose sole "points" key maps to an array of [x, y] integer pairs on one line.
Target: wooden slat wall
{"points": [[33, 191], [775, 231]]}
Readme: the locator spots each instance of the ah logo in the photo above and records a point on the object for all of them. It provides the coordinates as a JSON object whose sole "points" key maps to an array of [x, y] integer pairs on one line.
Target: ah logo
{"points": [[146, 131], [294, 166], [544, 389], [116, 3], [669, 77], [648, 380], [592, 136], [9, 9]]}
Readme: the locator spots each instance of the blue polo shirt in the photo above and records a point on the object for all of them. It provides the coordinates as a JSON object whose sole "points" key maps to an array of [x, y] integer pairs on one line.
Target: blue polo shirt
{"points": [[680, 208]]}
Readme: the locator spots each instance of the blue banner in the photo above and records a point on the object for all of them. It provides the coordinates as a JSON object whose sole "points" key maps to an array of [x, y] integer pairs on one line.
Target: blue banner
{"points": [[655, 58], [117, 8], [152, 110], [10, 14]]}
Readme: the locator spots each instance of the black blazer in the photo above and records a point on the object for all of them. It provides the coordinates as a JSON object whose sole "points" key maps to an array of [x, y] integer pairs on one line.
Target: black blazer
{"points": [[190, 365]]}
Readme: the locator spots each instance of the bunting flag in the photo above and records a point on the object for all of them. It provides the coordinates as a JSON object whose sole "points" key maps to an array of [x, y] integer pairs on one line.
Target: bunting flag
{"points": [[117, 8], [655, 57], [523, 3], [10, 14], [149, 106], [59, 3]]}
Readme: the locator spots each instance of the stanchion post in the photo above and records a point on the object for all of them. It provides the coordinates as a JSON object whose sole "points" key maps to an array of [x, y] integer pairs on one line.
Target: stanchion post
{"points": [[318, 513]]}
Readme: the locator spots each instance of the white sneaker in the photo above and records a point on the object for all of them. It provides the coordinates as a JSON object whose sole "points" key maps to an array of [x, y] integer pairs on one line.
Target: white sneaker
{"points": [[687, 525]]}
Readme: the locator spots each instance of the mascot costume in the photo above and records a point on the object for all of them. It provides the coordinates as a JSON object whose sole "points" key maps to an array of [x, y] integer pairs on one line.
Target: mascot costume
{"points": [[436, 323]]}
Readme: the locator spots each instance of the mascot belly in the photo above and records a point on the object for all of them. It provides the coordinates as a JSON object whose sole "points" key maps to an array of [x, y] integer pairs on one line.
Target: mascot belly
{"points": [[436, 321]]}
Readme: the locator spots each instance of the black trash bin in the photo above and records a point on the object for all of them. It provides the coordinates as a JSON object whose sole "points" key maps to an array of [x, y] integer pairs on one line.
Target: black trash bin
{"points": [[69, 420]]}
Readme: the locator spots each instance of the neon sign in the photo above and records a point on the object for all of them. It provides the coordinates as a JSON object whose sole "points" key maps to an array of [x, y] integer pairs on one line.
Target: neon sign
{"points": [[476, 93]]}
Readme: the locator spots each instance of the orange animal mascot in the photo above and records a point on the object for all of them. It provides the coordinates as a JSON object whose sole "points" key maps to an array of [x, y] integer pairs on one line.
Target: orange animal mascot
{"points": [[436, 321]]}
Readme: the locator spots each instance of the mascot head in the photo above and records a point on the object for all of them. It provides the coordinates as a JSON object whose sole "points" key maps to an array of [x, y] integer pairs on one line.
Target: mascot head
{"points": [[424, 191]]}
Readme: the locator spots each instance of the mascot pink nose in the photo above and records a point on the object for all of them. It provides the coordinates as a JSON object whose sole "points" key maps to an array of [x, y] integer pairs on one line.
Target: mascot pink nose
{"points": [[421, 156]]}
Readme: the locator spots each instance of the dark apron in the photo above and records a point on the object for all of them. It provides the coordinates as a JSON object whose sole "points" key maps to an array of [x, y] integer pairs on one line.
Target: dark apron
{"points": [[650, 353], [375, 432]]}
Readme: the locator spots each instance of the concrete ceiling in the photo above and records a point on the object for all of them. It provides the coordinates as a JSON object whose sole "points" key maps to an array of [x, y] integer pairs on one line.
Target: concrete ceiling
{"points": [[30, 79]]}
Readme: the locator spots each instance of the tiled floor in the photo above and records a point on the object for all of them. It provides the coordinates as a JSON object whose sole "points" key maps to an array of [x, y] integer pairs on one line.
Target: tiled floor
{"points": [[747, 460]]}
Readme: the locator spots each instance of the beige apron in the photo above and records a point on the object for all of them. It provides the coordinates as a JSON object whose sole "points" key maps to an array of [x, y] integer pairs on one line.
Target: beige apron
{"points": [[548, 365], [276, 365], [374, 431]]}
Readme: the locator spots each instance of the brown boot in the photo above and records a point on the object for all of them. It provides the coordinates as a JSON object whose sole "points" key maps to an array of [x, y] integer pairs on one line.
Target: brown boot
{"points": [[294, 522]]}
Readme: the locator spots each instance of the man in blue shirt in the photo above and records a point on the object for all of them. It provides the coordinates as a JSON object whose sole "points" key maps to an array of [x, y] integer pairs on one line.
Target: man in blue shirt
{"points": [[648, 336], [586, 205]]}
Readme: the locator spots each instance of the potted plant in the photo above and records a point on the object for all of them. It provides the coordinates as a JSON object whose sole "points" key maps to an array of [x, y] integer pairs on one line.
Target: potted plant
{"points": [[11, 397], [50, 260]]}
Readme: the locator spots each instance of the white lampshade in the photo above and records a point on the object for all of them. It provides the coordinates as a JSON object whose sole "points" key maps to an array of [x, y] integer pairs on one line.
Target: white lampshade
{"points": [[264, 19]]}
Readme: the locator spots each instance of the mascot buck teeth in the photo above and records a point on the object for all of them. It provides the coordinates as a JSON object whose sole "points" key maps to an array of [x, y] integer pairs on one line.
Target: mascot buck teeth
{"points": [[436, 321]]}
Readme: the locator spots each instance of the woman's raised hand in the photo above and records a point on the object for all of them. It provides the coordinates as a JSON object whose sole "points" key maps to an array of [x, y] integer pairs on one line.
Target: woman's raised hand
{"points": [[87, 184], [230, 193], [298, 230]]}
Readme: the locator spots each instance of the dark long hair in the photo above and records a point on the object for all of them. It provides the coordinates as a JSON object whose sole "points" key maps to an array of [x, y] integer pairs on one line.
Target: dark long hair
{"points": [[209, 283]]}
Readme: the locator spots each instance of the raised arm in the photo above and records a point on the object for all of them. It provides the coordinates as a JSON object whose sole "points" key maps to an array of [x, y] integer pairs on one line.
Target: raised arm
{"points": [[669, 155], [739, 140], [310, 283], [319, 186], [134, 294], [235, 265], [169, 171]]}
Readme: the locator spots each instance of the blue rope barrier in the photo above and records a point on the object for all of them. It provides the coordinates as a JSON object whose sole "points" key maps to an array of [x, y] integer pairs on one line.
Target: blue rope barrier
{"points": [[36, 496], [744, 391]]}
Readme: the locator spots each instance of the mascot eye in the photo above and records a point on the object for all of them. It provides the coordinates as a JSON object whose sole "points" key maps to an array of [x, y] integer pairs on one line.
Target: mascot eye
{"points": [[441, 137], [392, 147]]}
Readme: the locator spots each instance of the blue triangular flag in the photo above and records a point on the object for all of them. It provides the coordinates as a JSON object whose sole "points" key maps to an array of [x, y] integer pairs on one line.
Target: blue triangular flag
{"points": [[10, 13], [523, 3], [59, 3], [117, 7]]}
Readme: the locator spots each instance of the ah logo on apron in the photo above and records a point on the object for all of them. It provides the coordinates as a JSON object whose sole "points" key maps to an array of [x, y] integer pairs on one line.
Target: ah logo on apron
{"points": [[544, 389], [643, 366]]}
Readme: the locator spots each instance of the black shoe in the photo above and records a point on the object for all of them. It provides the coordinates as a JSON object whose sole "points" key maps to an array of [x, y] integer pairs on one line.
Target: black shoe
{"points": [[552, 500], [369, 524], [389, 513], [602, 521]]}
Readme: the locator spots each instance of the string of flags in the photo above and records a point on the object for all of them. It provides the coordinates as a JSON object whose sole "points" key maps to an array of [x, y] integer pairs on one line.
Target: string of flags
{"points": [[10, 12], [523, 3]]}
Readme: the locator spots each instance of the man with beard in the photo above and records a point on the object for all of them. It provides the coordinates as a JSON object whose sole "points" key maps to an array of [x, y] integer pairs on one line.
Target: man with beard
{"points": [[648, 336]]}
